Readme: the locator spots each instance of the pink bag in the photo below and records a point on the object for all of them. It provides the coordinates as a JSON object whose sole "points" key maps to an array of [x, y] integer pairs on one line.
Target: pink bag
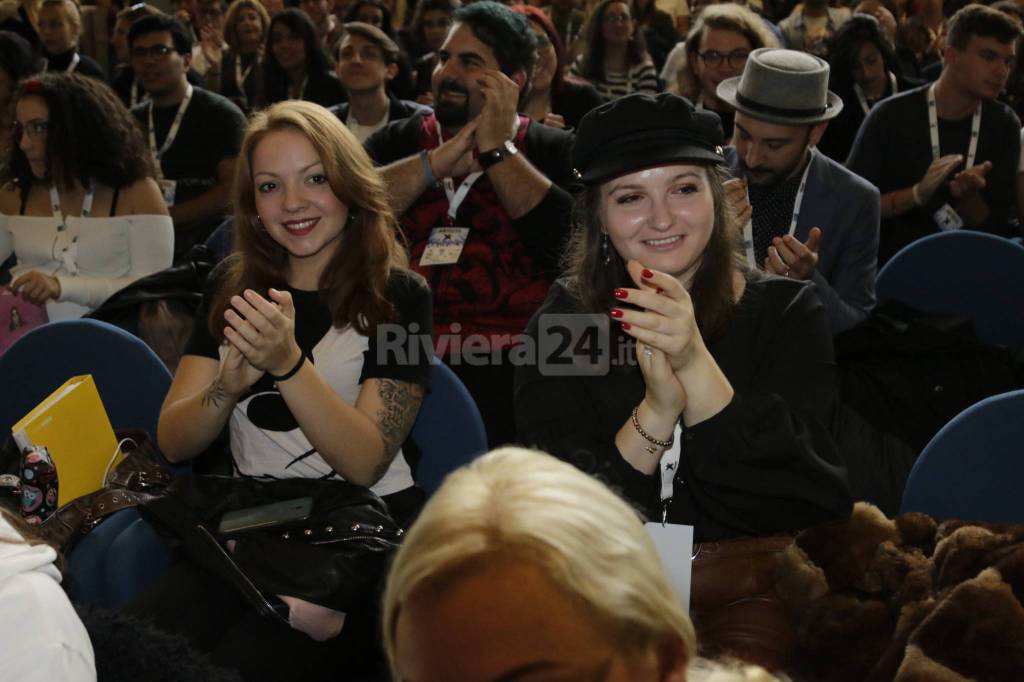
{"points": [[17, 316]]}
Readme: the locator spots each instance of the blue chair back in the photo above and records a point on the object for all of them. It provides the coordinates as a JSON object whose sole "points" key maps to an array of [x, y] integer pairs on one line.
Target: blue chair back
{"points": [[448, 429], [130, 378], [977, 275], [973, 467]]}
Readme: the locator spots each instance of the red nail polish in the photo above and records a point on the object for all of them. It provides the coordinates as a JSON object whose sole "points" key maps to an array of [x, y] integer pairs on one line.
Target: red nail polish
{"points": [[648, 274], [616, 313], [626, 326], [621, 293]]}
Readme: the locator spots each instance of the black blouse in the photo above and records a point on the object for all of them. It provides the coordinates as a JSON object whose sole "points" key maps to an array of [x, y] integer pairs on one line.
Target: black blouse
{"points": [[765, 464]]}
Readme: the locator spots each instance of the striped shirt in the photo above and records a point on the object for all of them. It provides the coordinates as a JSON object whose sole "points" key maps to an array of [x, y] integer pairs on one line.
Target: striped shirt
{"points": [[640, 78]]}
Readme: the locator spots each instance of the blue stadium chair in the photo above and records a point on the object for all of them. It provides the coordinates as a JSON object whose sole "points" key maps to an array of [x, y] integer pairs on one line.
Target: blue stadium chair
{"points": [[132, 382], [448, 429], [130, 378], [972, 469], [973, 274]]}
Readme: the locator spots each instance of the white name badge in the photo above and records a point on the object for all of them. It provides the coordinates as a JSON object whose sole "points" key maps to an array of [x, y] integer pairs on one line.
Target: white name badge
{"points": [[948, 219], [444, 246], [675, 549], [169, 188]]}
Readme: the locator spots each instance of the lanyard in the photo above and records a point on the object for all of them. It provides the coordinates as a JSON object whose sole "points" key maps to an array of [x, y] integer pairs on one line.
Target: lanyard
{"points": [[748, 229], [75, 58], [173, 132], [669, 465], [302, 90], [59, 214], [66, 243], [135, 94], [456, 197], [933, 124], [240, 75], [864, 100]]}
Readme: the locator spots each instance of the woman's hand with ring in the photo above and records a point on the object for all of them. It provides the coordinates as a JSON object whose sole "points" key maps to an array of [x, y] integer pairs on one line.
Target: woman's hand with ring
{"points": [[665, 321]]}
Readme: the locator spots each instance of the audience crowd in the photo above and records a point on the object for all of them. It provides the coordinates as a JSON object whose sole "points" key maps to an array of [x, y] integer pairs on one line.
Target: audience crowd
{"points": [[635, 230]]}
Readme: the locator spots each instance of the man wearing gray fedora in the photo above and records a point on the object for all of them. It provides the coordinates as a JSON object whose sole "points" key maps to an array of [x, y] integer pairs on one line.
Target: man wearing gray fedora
{"points": [[805, 216]]}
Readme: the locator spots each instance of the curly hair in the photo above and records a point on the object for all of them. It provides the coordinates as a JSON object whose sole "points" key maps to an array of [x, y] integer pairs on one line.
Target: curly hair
{"points": [[727, 17], [232, 18], [353, 285], [275, 80], [592, 58], [91, 134]]}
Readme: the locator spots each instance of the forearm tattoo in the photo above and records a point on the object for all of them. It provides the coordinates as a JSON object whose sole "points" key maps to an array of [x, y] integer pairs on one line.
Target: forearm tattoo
{"points": [[215, 395], [400, 401]]}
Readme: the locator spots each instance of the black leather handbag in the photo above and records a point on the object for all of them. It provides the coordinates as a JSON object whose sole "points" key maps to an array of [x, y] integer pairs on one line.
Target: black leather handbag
{"points": [[334, 559]]}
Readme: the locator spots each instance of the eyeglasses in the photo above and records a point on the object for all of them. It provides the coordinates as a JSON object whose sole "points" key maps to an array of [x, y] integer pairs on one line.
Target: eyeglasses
{"points": [[713, 58], [159, 51], [35, 129], [617, 19]]}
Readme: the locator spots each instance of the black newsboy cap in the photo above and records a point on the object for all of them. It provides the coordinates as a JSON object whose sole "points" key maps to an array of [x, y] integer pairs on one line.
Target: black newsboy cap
{"points": [[643, 131]]}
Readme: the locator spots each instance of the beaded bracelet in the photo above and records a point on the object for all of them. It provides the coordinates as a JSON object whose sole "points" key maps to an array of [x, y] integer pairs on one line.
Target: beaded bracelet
{"points": [[292, 372], [648, 437]]}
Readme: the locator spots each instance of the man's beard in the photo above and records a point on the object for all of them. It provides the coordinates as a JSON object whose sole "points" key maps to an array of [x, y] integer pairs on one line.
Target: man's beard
{"points": [[450, 114], [768, 177]]}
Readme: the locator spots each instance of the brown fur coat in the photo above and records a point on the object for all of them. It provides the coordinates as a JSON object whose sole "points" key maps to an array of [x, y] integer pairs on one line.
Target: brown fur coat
{"points": [[905, 599]]}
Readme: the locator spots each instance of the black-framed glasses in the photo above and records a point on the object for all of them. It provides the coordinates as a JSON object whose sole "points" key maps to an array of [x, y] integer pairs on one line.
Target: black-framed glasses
{"points": [[36, 129], [159, 51], [713, 58]]}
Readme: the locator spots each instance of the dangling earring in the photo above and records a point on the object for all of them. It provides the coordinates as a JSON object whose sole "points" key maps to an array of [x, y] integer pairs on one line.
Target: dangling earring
{"points": [[606, 250]]}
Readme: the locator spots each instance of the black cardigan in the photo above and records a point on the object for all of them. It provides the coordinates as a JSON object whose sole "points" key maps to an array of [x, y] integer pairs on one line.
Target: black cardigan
{"points": [[765, 464]]}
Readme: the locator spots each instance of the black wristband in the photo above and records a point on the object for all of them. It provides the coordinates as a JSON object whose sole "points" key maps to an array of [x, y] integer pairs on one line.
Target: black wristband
{"points": [[292, 372]]}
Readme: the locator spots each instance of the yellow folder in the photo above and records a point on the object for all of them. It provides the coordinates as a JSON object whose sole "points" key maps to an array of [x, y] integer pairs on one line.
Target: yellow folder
{"points": [[73, 426]]}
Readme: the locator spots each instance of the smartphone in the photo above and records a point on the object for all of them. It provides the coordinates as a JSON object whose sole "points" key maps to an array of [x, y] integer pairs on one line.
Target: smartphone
{"points": [[274, 515]]}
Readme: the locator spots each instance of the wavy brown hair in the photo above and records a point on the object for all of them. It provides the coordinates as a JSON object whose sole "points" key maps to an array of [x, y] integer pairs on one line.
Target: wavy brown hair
{"points": [[591, 281], [232, 18], [354, 284], [726, 17]]}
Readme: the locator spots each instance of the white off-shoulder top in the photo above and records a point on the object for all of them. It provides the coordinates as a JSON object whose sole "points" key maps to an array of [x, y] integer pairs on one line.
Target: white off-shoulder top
{"points": [[92, 258]]}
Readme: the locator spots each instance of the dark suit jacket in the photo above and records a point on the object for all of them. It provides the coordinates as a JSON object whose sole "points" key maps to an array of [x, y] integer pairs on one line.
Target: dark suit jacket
{"points": [[847, 209]]}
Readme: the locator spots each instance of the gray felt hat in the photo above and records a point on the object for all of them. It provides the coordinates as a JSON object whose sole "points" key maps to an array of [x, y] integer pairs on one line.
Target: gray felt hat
{"points": [[782, 86]]}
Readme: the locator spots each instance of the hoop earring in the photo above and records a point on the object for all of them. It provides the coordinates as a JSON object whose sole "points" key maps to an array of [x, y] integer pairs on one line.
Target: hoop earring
{"points": [[606, 250]]}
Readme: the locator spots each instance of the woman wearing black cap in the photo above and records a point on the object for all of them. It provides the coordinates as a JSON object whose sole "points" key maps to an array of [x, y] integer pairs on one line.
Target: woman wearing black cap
{"points": [[716, 418]]}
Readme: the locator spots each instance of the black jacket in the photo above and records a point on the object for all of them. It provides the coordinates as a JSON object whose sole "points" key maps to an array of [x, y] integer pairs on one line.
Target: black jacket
{"points": [[398, 109]]}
